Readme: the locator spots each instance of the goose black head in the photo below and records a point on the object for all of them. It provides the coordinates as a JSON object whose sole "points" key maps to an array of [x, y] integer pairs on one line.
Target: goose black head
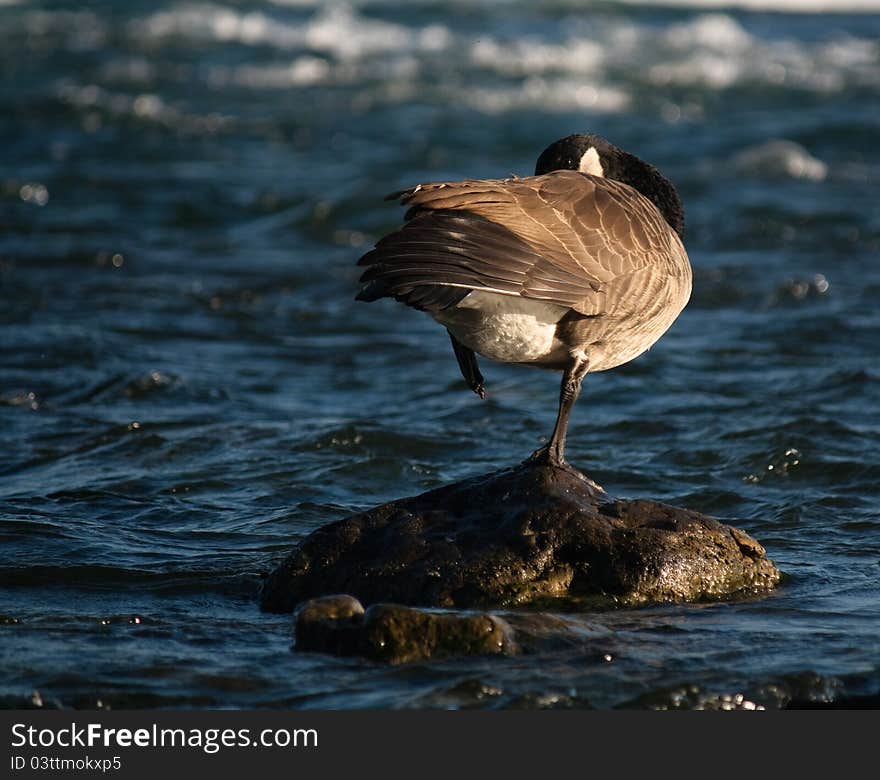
{"points": [[594, 155]]}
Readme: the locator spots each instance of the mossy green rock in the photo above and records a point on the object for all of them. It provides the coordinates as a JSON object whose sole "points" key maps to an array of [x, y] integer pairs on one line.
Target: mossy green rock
{"points": [[529, 533]]}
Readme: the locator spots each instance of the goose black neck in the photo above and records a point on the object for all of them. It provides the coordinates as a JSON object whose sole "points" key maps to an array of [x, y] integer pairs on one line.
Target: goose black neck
{"points": [[645, 178]]}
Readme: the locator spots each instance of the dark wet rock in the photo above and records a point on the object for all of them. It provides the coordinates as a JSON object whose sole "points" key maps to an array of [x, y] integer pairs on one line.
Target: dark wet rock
{"points": [[330, 624], [396, 634], [529, 533]]}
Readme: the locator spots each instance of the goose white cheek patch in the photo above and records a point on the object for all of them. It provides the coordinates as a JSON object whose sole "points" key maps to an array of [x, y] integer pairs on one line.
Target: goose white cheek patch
{"points": [[590, 163]]}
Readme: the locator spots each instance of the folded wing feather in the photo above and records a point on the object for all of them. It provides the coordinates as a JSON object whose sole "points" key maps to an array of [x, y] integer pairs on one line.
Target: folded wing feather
{"points": [[564, 238]]}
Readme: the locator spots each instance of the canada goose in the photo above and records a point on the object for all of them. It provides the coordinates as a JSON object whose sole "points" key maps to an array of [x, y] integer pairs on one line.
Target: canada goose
{"points": [[578, 268]]}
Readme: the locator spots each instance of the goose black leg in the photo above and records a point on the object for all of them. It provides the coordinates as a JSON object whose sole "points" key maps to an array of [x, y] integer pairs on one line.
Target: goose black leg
{"points": [[554, 451], [467, 362]]}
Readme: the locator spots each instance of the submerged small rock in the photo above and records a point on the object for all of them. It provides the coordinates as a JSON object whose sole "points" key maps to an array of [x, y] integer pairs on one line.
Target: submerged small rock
{"points": [[396, 634], [516, 536]]}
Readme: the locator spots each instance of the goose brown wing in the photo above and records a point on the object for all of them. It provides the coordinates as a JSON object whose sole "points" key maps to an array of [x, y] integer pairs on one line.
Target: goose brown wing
{"points": [[564, 237]]}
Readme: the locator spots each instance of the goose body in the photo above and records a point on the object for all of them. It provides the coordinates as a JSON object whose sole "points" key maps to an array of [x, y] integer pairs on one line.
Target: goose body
{"points": [[506, 328], [578, 268]]}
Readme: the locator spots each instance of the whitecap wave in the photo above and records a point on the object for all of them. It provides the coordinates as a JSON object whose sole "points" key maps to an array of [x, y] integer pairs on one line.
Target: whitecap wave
{"points": [[535, 57], [556, 95], [714, 50], [336, 30], [780, 157], [303, 71], [97, 103], [711, 50], [776, 6], [603, 61]]}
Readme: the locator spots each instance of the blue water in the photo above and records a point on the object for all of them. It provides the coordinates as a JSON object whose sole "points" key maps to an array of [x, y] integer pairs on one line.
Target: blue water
{"points": [[187, 386]]}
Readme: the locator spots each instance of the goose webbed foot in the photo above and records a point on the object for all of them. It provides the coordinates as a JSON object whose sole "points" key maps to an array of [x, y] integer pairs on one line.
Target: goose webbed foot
{"points": [[548, 455], [467, 362]]}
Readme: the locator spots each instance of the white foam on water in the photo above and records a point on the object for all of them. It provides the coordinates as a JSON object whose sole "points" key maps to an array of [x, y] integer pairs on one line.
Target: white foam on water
{"points": [[716, 32], [711, 50], [580, 61], [533, 57], [309, 71], [778, 6], [303, 71], [780, 157], [300, 3], [716, 51], [80, 30], [540, 94], [211, 22], [336, 30], [94, 101]]}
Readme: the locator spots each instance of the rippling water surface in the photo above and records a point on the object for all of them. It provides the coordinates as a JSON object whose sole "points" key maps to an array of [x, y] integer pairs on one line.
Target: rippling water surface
{"points": [[187, 386]]}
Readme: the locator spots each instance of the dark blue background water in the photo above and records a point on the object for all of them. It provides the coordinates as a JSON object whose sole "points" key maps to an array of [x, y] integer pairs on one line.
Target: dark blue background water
{"points": [[187, 386]]}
